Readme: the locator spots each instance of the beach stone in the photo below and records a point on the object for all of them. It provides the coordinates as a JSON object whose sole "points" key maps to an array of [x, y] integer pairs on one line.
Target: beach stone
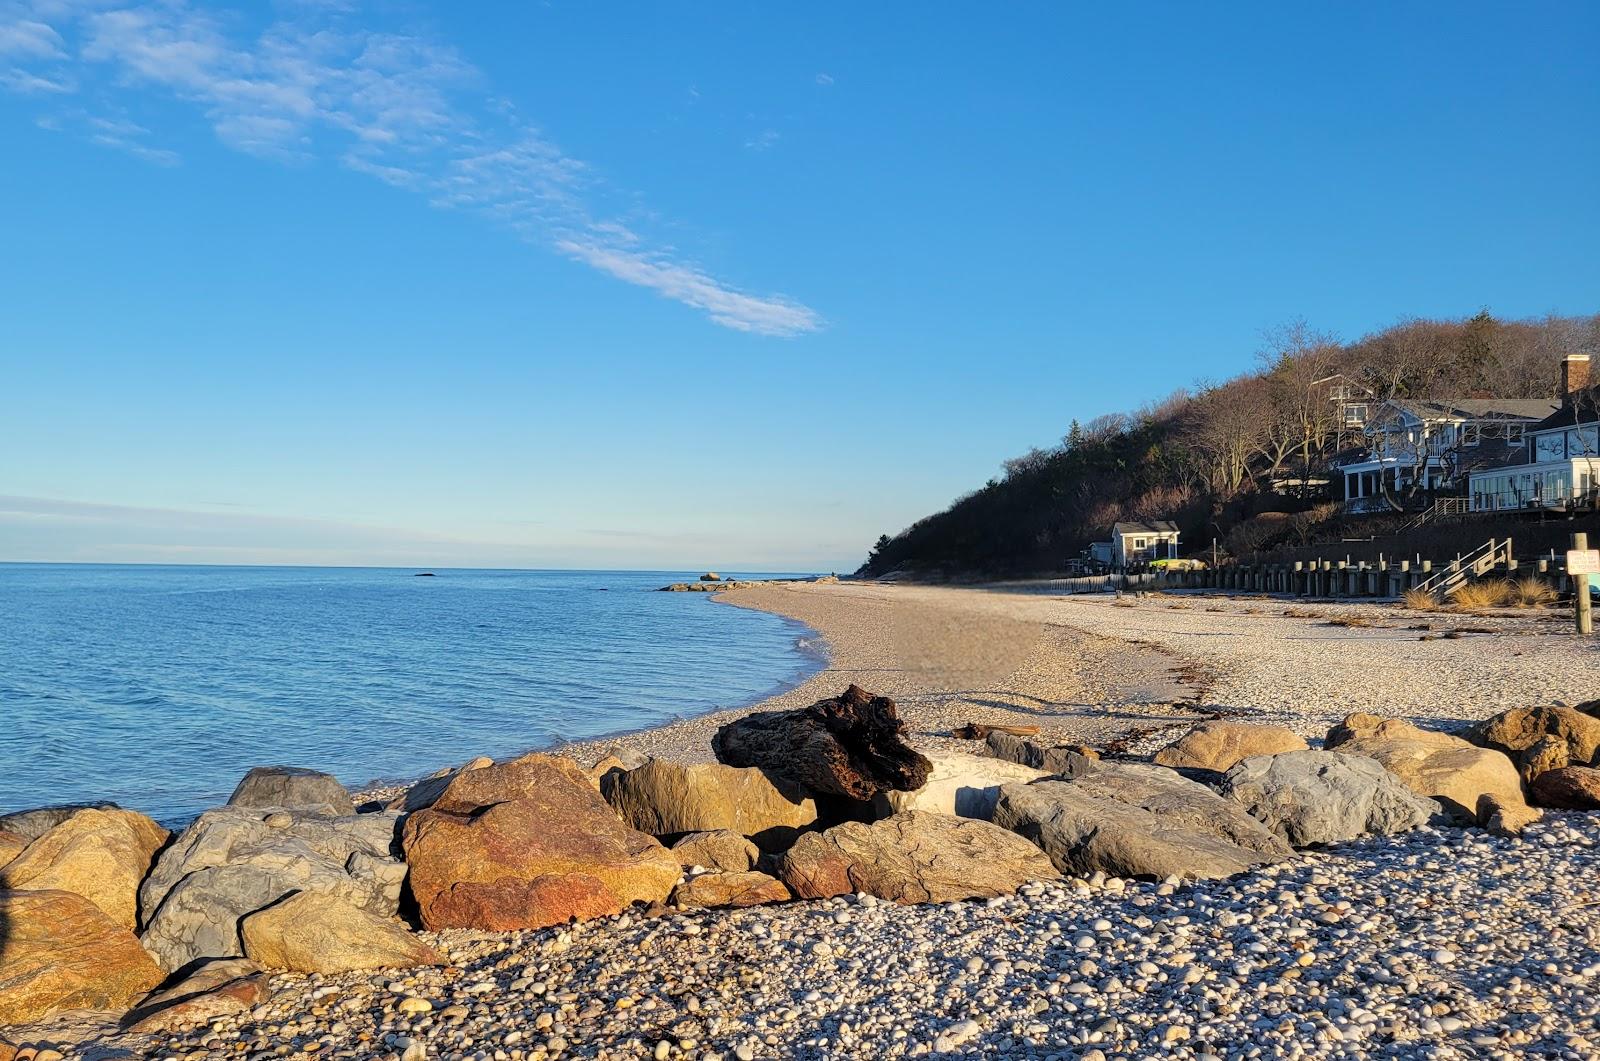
{"points": [[222, 987], [102, 855], [964, 785], [232, 861], [1134, 820], [1321, 797], [1219, 745], [607, 764], [1540, 738], [721, 849], [313, 932], [1066, 760], [426, 792], [670, 799], [1569, 788], [32, 824], [1364, 726], [292, 788], [11, 845], [914, 857], [852, 746], [1504, 819], [730, 889], [528, 844], [1453, 772], [58, 951]]}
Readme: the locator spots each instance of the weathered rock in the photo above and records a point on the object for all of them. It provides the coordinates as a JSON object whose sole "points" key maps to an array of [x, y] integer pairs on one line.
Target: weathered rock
{"points": [[1361, 725], [669, 799], [963, 785], [232, 861], [102, 855], [1220, 745], [1449, 770], [58, 951], [606, 765], [1066, 760], [311, 932], [1539, 739], [915, 857], [1133, 820], [426, 792], [528, 844], [722, 849], [851, 746], [1319, 797], [34, 823], [730, 889], [223, 987], [981, 731], [11, 845], [1505, 819], [293, 788], [1569, 788]]}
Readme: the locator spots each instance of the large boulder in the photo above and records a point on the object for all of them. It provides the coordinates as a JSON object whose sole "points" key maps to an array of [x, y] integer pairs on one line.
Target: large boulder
{"points": [[528, 844], [232, 861], [1454, 772], [1320, 797], [722, 849], [668, 799], [32, 824], [730, 889], [1220, 745], [58, 951], [102, 855], [1134, 820], [11, 845], [915, 857], [1062, 761], [852, 746], [1540, 738], [1362, 726], [964, 785], [293, 788], [221, 987], [426, 792], [1569, 788], [312, 932]]}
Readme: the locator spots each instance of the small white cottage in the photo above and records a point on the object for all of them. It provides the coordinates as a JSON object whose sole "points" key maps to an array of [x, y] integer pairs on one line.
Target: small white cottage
{"points": [[1133, 544]]}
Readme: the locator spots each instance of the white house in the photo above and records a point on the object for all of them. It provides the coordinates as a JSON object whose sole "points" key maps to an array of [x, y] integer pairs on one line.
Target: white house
{"points": [[1433, 443], [1560, 461], [1132, 544]]}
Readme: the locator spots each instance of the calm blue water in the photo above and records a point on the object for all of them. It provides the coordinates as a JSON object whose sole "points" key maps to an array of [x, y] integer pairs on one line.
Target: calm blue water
{"points": [[158, 687]]}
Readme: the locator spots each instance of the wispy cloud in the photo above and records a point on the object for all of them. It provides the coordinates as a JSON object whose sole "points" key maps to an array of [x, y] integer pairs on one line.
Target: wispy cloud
{"points": [[762, 140], [315, 84], [824, 79]]}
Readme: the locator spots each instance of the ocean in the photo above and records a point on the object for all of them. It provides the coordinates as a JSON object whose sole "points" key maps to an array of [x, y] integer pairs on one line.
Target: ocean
{"points": [[157, 687]]}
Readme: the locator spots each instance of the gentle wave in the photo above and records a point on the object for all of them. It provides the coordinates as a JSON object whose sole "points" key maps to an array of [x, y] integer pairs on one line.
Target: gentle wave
{"points": [[157, 687]]}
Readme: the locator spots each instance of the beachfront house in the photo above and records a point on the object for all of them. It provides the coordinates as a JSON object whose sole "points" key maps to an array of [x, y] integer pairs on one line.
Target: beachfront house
{"points": [[1133, 544], [1432, 444], [1558, 465]]}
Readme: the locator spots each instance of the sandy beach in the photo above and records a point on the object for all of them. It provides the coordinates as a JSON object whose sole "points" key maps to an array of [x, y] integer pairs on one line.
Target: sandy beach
{"points": [[1440, 943]]}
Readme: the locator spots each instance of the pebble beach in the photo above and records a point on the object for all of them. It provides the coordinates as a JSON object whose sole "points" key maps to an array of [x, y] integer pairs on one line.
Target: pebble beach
{"points": [[1438, 943]]}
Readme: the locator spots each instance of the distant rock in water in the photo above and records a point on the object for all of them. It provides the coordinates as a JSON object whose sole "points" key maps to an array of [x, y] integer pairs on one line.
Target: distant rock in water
{"points": [[424, 574], [710, 576]]}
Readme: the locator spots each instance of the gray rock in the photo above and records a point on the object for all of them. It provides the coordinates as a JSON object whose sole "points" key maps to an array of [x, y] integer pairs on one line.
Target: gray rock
{"points": [[1062, 762], [231, 862], [34, 823], [1132, 820], [1320, 797], [293, 788]]}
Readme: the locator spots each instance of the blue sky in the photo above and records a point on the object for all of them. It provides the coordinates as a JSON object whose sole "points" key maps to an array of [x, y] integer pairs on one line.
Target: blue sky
{"points": [[691, 285]]}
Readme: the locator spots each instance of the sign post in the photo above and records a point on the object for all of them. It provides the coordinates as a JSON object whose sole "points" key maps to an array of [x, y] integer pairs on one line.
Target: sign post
{"points": [[1583, 563]]}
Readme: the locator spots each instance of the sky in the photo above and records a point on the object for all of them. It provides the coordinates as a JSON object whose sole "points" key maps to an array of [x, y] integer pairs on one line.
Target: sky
{"points": [[695, 285]]}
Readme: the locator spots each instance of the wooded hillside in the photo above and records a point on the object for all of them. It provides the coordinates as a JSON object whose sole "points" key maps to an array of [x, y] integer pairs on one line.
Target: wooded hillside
{"points": [[1207, 457]]}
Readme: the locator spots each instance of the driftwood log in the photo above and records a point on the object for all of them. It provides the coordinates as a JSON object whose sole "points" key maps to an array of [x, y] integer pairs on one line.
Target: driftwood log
{"points": [[981, 731]]}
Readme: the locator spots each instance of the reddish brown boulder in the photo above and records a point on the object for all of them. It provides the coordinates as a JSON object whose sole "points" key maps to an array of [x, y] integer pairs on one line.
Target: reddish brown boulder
{"points": [[60, 952], [730, 889], [1569, 788], [102, 855], [852, 746], [222, 987], [11, 845], [527, 844]]}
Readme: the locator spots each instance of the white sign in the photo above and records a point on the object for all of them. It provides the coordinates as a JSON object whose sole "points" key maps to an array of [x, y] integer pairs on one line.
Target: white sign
{"points": [[1583, 561]]}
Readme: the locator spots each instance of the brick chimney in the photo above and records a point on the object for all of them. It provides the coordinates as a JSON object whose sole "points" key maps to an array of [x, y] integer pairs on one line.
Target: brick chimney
{"points": [[1574, 376]]}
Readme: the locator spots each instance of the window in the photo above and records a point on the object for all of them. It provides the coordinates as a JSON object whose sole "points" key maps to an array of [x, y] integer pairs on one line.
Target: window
{"points": [[1469, 434], [1514, 432]]}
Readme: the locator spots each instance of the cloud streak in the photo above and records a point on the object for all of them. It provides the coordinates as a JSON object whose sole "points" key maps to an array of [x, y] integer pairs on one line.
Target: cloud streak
{"points": [[399, 107]]}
